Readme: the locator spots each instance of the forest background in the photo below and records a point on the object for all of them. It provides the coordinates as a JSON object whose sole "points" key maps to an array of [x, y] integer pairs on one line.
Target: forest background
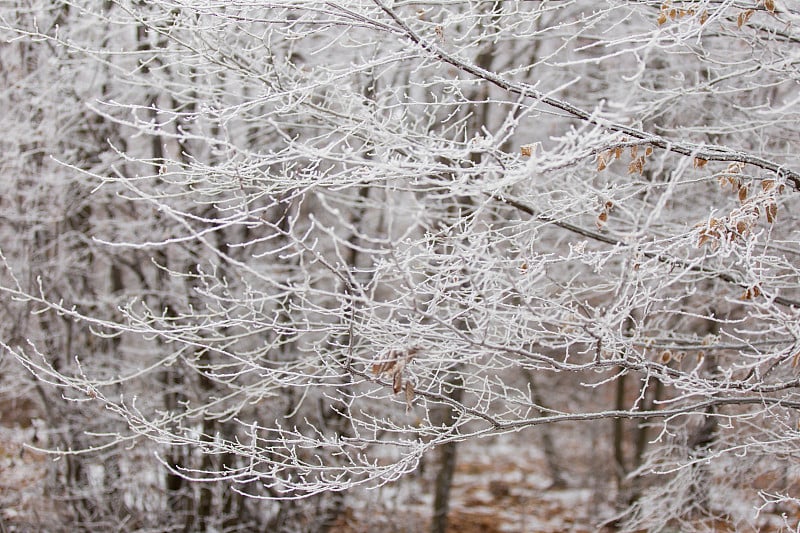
{"points": [[308, 266]]}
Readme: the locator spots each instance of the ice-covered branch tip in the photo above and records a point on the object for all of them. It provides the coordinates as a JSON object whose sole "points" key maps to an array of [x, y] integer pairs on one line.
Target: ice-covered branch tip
{"points": [[708, 153]]}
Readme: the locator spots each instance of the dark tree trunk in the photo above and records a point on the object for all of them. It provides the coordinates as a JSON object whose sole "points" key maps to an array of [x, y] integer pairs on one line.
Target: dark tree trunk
{"points": [[548, 444], [447, 462]]}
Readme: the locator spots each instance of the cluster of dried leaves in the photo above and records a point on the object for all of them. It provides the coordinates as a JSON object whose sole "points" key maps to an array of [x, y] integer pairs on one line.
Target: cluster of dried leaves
{"points": [[393, 367], [741, 222], [669, 12], [736, 225], [637, 161]]}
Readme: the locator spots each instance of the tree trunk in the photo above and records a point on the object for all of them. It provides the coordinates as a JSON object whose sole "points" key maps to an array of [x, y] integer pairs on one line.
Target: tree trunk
{"points": [[548, 445], [447, 462]]}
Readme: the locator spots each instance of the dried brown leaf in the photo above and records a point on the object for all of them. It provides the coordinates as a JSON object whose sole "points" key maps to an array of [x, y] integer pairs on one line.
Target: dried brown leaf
{"points": [[733, 181], [637, 165], [741, 227], [743, 17], [772, 211], [735, 168], [700, 163], [751, 292], [602, 218], [384, 366], [409, 391]]}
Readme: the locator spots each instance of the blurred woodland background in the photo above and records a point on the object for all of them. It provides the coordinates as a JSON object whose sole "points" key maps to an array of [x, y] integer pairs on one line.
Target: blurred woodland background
{"points": [[399, 265]]}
